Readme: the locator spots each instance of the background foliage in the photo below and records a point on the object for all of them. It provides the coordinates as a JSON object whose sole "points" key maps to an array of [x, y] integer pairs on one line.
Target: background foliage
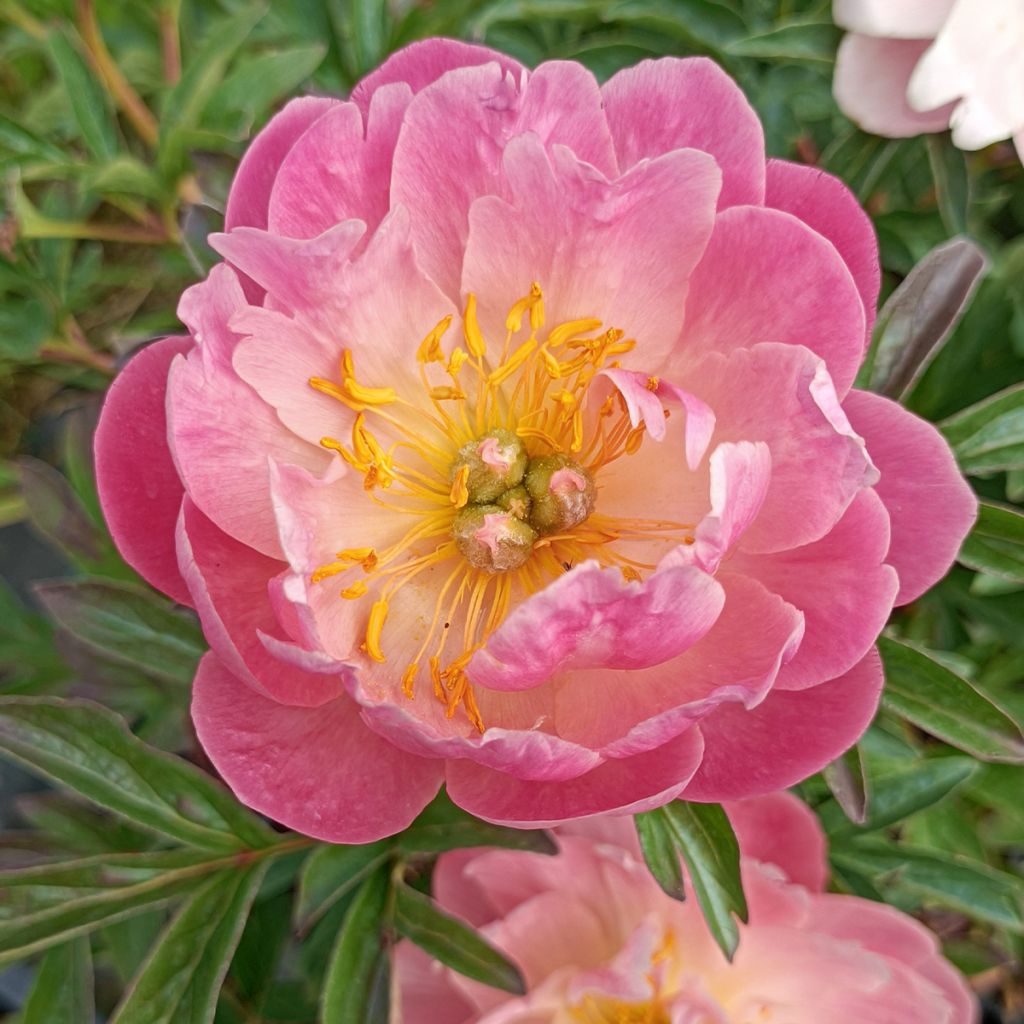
{"points": [[136, 883]]}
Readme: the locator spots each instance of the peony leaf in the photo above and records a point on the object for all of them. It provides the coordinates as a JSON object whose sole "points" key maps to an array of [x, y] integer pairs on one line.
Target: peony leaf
{"points": [[946, 705], [88, 749], [660, 853], [996, 544], [848, 782], [447, 939], [63, 989], [988, 437], [330, 873], [85, 96]]}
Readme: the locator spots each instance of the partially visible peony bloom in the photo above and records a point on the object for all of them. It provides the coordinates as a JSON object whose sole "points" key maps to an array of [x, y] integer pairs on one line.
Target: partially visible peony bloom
{"points": [[599, 943], [514, 447], [914, 66]]}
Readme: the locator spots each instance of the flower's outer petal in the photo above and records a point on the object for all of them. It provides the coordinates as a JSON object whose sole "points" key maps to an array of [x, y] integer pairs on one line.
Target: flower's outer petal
{"points": [[788, 737], [425, 993], [421, 63], [139, 487], [449, 150], [229, 582], [661, 105], [317, 770], [593, 617], [254, 178], [340, 169], [824, 203], [625, 786], [901, 19], [842, 586], [767, 277], [779, 829], [870, 86], [597, 248], [931, 507]]}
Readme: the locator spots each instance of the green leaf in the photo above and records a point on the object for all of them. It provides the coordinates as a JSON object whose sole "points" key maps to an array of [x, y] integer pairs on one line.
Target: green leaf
{"points": [[62, 992], [807, 41], [946, 705], [329, 873], [848, 783], [361, 28], [988, 437], [660, 854], [125, 175], [16, 138], [183, 975], [129, 624], [952, 188], [360, 958], [85, 96], [88, 749], [705, 839], [996, 544], [455, 944]]}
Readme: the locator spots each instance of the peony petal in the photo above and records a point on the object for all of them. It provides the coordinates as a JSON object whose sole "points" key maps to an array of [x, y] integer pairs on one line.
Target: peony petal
{"points": [[791, 735], [901, 19], [139, 487], [767, 277], [825, 204], [661, 105], [317, 770], [930, 505]]}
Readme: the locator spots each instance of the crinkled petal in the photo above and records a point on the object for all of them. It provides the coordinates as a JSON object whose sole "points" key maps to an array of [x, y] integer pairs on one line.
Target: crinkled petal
{"points": [[931, 506], [661, 105], [901, 19], [139, 487], [319, 770]]}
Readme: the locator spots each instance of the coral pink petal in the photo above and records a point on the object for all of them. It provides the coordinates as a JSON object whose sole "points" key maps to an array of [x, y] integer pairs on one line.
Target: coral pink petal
{"points": [[661, 105], [779, 829], [624, 786], [621, 252], [842, 586], [254, 178], [450, 147], [870, 86], [767, 277], [228, 582], [788, 737], [902, 19], [421, 63], [317, 770], [930, 505], [594, 617], [139, 487], [824, 203]]}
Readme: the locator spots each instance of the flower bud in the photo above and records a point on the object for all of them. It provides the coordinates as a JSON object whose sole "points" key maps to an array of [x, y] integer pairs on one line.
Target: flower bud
{"points": [[496, 461], [562, 493], [492, 539]]}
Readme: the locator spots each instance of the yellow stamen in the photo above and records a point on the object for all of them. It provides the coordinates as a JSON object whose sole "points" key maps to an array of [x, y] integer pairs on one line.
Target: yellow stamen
{"points": [[563, 332], [512, 364], [356, 590], [471, 329], [370, 396], [459, 491], [514, 320], [430, 348], [409, 680], [443, 393], [378, 613], [455, 362]]}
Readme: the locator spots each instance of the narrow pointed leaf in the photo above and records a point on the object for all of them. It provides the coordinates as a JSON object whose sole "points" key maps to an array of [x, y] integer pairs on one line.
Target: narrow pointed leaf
{"points": [[330, 873], [86, 98], [848, 782], [988, 437], [660, 853], [996, 544], [63, 989]]}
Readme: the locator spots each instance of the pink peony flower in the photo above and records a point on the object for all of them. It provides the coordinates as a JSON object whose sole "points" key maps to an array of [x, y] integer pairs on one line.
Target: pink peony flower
{"points": [[514, 447], [914, 66], [599, 943]]}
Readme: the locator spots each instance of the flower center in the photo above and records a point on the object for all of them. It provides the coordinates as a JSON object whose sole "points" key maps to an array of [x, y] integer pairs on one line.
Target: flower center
{"points": [[493, 467], [601, 1010]]}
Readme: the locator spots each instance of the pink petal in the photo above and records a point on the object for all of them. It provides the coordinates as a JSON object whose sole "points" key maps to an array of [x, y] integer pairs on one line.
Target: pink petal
{"points": [[423, 62], [825, 204], [840, 584], [449, 151], [767, 277], [930, 505], [139, 488], [791, 735], [594, 617], [630, 785], [318, 770], [661, 105], [424, 989], [870, 86], [903, 19], [228, 582]]}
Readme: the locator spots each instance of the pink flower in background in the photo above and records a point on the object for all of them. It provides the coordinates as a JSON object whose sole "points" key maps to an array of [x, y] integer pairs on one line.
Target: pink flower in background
{"points": [[514, 447], [598, 942], [913, 66]]}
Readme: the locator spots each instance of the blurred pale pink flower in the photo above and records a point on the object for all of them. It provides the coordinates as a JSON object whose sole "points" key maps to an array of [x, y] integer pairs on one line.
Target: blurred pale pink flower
{"points": [[514, 447], [913, 66], [599, 943]]}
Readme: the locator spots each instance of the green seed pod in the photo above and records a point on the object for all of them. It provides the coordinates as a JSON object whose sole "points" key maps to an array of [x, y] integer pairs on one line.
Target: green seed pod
{"points": [[562, 493], [492, 539], [517, 501], [496, 462]]}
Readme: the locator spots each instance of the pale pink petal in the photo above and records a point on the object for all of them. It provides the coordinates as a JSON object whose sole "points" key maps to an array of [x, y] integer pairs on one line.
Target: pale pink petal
{"points": [[449, 150], [767, 277], [630, 785], [930, 505], [661, 105], [425, 992], [228, 582], [902, 19], [870, 86], [840, 584], [824, 203], [317, 770], [791, 735], [139, 487]]}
